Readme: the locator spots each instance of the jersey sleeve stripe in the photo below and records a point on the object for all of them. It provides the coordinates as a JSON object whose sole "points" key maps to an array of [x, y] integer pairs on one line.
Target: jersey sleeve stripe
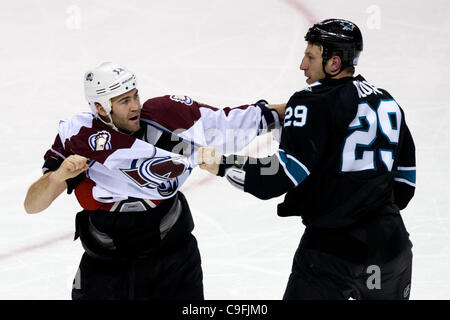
{"points": [[409, 175], [294, 169], [405, 181], [57, 153], [406, 168]]}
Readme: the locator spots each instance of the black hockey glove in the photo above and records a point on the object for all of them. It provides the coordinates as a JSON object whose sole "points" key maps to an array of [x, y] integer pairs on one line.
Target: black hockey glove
{"points": [[262, 102], [270, 120], [232, 168]]}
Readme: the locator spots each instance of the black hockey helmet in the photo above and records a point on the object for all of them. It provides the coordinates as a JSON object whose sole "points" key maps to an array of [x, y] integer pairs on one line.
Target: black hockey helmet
{"points": [[337, 35]]}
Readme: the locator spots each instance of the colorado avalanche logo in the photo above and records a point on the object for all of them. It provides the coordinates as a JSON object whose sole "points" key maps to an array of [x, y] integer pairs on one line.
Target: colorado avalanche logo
{"points": [[90, 76], [159, 173], [183, 99], [100, 141]]}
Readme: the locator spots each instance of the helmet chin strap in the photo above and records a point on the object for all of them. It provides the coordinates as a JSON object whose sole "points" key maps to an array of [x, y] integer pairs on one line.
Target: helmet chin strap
{"points": [[108, 114], [324, 62], [110, 123]]}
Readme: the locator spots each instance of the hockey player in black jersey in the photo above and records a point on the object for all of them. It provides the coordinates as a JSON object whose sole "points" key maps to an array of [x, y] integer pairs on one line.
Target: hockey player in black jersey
{"points": [[346, 164]]}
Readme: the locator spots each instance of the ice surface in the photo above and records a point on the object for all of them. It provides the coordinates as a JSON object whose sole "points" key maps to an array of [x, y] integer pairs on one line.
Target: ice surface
{"points": [[224, 53]]}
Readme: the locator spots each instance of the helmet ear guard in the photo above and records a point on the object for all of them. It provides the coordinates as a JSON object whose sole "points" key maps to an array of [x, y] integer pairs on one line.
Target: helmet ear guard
{"points": [[105, 103]]}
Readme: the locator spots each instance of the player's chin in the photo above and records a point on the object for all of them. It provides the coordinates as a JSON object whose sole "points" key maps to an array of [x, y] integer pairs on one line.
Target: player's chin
{"points": [[133, 125]]}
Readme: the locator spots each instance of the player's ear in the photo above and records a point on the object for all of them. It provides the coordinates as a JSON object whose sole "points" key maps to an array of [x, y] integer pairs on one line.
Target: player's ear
{"points": [[336, 64], [100, 110]]}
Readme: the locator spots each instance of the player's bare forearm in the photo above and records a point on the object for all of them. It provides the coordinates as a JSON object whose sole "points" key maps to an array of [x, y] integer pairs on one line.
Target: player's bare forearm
{"points": [[42, 193], [280, 108]]}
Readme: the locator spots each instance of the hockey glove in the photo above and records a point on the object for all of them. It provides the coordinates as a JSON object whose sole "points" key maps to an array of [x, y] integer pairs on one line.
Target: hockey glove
{"points": [[232, 167], [270, 120]]}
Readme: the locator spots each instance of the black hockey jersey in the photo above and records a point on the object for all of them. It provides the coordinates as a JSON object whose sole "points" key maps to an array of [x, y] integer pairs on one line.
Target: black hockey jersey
{"points": [[345, 153]]}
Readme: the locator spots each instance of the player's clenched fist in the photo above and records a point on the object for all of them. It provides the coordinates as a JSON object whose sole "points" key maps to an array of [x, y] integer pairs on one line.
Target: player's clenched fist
{"points": [[209, 159], [71, 167]]}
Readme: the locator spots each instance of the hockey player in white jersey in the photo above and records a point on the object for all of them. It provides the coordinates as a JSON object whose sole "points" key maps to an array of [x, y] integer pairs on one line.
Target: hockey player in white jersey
{"points": [[126, 162]]}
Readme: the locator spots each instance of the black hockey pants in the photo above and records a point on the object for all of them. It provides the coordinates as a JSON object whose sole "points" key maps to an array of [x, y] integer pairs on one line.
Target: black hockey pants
{"points": [[163, 275], [139, 255], [382, 272]]}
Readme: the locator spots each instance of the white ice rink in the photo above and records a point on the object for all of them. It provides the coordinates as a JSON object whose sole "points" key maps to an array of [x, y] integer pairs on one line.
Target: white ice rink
{"points": [[224, 53]]}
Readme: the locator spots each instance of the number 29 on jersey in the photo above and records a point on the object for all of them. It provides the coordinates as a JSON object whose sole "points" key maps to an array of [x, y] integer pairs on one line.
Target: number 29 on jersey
{"points": [[387, 117], [295, 116]]}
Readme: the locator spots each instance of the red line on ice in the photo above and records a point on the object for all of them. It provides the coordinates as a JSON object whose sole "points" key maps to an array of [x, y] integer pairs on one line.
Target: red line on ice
{"points": [[38, 245], [68, 235], [300, 7]]}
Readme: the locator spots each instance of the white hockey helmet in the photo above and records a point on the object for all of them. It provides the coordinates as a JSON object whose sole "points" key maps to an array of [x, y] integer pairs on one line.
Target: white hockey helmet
{"points": [[107, 81]]}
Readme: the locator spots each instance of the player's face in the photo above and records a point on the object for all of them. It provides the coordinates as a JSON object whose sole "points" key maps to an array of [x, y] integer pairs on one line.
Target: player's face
{"points": [[126, 111], [312, 64]]}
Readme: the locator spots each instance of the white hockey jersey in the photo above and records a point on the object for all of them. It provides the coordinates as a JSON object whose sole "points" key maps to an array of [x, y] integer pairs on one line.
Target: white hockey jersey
{"points": [[134, 166]]}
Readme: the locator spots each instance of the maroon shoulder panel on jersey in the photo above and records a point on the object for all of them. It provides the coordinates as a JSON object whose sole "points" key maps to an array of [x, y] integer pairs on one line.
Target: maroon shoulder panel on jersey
{"points": [[227, 109], [98, 142], [57, 150], [173, 112]]}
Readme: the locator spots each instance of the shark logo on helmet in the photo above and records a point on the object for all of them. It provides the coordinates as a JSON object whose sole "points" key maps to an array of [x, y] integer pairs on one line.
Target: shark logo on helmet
{"points": [[347, 26]]}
